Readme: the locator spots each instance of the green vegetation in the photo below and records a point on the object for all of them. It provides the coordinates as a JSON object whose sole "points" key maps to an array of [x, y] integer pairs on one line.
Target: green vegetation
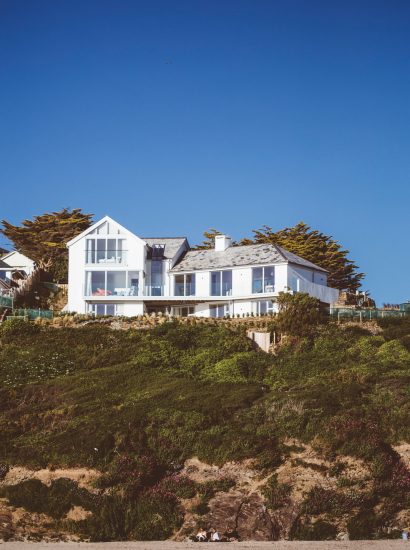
{"points": [[44, 238], [137, 403]]}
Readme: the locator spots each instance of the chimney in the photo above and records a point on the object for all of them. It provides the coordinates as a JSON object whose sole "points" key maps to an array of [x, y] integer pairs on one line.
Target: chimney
{"points": [[222, 242]]}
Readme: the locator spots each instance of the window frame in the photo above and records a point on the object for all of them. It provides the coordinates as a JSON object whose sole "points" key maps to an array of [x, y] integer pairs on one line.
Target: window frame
{"points": [[216, 307], [221, 282], [184, 284], [263, 289]]}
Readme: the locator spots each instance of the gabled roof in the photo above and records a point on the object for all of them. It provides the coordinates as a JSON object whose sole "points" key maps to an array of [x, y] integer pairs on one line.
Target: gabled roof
{"points": [[295, 259], [172, 244], [237, 256], [12, 253], [96, 224]]}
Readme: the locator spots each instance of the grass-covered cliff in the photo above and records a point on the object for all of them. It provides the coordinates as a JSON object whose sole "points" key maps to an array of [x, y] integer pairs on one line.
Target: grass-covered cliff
{"points": [[136, 405]]}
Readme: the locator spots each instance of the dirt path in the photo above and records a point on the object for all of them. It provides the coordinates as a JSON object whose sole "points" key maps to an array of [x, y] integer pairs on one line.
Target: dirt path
{"points": [[168, 545]]}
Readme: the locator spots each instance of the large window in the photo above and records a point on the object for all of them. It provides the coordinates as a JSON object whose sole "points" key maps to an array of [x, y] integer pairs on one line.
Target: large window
{"points": [[263, 279], [104, 309], [184, 285], [184, 311], [218, 310], [111, 283], [105, 251], [156, 288], [221, 283], [263, 307]]}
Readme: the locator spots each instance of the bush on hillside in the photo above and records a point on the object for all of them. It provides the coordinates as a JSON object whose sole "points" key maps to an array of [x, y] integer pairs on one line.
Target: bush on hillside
{"points": [[299, 314]]}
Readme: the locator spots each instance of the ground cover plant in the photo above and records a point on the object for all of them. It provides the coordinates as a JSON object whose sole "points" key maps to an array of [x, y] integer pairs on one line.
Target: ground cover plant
{"points": [[136, 404]]}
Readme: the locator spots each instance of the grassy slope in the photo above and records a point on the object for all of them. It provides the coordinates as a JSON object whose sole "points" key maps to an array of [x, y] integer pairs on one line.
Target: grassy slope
{"points": [[85, 396]]}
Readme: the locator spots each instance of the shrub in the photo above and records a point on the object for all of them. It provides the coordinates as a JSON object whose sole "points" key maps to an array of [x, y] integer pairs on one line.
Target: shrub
{"points": [[14, 328], [298, 314], [179, 485], [55, 501], [318, 530], [276, 494], [363, 526]]}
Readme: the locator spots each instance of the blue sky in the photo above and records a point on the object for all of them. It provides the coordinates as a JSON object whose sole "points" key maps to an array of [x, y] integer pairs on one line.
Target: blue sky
{"points": [[177, 116]]}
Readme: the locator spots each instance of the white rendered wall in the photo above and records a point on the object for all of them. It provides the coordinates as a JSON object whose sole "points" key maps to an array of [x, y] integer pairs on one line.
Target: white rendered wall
{"points": [[76, 277], [300, 284], [77, 267], [19, 260], [318, 277], [202, 282], [242, 281], [132, 309], [281, 278]]}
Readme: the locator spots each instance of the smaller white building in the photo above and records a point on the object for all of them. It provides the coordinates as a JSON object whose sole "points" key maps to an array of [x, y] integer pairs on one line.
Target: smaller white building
{"points": [[15, 262], [112, 271]]}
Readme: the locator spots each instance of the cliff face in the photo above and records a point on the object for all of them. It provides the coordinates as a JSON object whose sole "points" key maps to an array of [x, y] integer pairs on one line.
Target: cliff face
{"points": [[245, 508], [122, 435]]}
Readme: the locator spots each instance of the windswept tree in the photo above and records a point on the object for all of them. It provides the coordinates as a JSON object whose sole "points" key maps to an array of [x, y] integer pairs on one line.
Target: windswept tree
{"points": [[316, 247], [44, 238]]}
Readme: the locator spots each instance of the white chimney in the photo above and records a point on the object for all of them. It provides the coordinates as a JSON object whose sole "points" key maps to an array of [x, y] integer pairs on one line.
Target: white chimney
{"points": [[222, 242]]}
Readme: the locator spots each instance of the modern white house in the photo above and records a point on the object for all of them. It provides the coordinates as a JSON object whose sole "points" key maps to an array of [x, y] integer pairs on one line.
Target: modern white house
{"points": [[112, 271]]}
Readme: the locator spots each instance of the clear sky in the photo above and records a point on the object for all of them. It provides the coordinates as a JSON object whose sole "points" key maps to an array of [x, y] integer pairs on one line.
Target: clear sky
{"points": [[176, 116]]}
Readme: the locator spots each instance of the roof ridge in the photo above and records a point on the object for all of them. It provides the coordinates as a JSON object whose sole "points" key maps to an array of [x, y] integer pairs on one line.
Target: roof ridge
{"points": [[279, 250]]}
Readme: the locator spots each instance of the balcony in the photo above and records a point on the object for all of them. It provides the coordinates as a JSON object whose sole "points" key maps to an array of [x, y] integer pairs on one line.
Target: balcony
{"points": [[106, 257], [111, 283], [184, 289], [154, 290], [262, 288]]}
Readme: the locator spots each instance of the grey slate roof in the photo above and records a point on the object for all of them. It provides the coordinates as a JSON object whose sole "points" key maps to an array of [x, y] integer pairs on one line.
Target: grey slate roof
{"points": [[295, 259], [236, 256], [172, 244]]}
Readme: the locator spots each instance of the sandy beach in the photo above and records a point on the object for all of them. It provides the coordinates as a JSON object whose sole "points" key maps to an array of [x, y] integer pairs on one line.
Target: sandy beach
{"points": [[169, 545]]}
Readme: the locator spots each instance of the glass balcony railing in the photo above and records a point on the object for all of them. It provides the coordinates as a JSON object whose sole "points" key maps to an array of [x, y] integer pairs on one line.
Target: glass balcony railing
{"points": [[187, 289], [101, 290], [262, 287], [154, 290], [224, 289], [106, 257]]}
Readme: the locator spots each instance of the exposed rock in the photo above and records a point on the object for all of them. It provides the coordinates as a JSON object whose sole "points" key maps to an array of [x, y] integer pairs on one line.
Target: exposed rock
{"points": [[404, 451], [83, 476], [78, 513], [6, 524]]}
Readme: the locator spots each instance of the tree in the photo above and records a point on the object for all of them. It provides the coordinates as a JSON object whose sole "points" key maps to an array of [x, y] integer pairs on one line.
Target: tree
{"points": [[209, 240], [44, 238], [299, 314], [316, 247]]}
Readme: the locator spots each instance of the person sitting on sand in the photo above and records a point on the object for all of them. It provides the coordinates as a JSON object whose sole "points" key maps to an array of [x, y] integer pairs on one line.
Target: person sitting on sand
{"points": [[201, 535]]}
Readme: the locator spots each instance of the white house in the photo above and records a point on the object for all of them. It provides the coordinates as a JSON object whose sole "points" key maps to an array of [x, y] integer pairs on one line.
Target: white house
{"points": [[114, 272], [15, 262]]}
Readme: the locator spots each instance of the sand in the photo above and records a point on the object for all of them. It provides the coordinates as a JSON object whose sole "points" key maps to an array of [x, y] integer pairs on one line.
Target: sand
{"points": [[168, 545]]}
